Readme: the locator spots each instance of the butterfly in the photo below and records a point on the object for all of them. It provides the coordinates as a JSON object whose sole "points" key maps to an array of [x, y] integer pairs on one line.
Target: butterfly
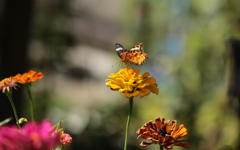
{"points": [[134, 56]]}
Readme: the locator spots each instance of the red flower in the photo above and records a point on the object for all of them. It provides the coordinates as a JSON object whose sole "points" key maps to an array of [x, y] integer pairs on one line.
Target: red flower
{"points": [[163, 133]]}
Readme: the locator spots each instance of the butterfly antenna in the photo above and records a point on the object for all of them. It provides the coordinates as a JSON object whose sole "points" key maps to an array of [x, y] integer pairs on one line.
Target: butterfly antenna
{"points": [[115, 64], [132, 66], [122, 65]]}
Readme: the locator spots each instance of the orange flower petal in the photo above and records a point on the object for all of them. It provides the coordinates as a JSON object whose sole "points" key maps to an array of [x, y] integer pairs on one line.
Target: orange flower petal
{"points": [[127, 95], [28, 77], [163, 133], [144, 92]]}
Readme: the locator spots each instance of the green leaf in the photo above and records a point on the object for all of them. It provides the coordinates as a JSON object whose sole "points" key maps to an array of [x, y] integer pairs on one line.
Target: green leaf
{"points": [[5, 121]]}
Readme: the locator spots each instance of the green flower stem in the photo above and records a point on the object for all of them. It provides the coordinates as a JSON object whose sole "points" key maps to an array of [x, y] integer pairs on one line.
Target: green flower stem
{"points": [[161, 147], [9, 95], [31, 103], [128, 122]]}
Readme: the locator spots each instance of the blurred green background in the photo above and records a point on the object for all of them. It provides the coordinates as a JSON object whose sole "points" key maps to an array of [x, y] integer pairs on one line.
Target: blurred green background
{"points": [[72, 43]]}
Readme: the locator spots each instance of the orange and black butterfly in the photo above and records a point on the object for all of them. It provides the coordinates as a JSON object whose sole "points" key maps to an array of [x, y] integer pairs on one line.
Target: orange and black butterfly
{"points": [[134, 56]]}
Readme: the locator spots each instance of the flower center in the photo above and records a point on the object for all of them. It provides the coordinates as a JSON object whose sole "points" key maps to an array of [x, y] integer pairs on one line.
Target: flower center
{"points": [[162, 132], [34, 136]]}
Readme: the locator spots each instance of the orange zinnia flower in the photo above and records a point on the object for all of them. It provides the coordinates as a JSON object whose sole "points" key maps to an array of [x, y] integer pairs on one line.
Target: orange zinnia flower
{"points": [[7, 83], [28, 77], [163, 133]]}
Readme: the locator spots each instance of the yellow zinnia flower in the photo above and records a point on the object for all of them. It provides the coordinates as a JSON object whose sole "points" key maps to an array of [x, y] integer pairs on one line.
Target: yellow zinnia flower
{"points": [[129, 82]]}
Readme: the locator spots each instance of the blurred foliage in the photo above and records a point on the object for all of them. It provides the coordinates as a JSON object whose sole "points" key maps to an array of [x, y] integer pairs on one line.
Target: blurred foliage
{"points": [[186, 44], [51, 28]]}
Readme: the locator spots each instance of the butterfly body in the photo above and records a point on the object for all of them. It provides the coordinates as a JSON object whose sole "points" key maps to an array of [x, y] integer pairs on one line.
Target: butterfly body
{"points": [[134, 56]]}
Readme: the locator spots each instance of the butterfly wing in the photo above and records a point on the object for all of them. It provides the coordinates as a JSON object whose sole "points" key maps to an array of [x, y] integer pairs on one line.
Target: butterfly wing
{"points": [[134, 56], [121, 51], [139, 56], [138, 47]]}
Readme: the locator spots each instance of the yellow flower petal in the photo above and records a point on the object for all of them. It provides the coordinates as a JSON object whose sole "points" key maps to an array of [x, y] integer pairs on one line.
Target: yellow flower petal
{"points": [[144, 92], [135, 93], [129, 82], [150, 80], [154, 90], [115, 87], [127, 95], [146, 74]]}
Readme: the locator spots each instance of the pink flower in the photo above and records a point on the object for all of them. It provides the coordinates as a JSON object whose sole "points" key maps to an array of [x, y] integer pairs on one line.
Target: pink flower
{"points": [[7, 83], [11, 138], [33, 136], [65, 139], [40, 136]]}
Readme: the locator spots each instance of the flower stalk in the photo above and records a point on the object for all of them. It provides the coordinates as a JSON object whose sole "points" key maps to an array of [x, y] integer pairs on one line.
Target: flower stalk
{"points": [[31, 103], [161, 147], [26, 79], [9, 95], [28, 87], [128, 122]]}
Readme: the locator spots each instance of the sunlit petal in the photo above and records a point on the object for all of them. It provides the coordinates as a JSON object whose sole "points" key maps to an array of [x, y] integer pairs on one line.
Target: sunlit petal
{"points": [[129, 82]]}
